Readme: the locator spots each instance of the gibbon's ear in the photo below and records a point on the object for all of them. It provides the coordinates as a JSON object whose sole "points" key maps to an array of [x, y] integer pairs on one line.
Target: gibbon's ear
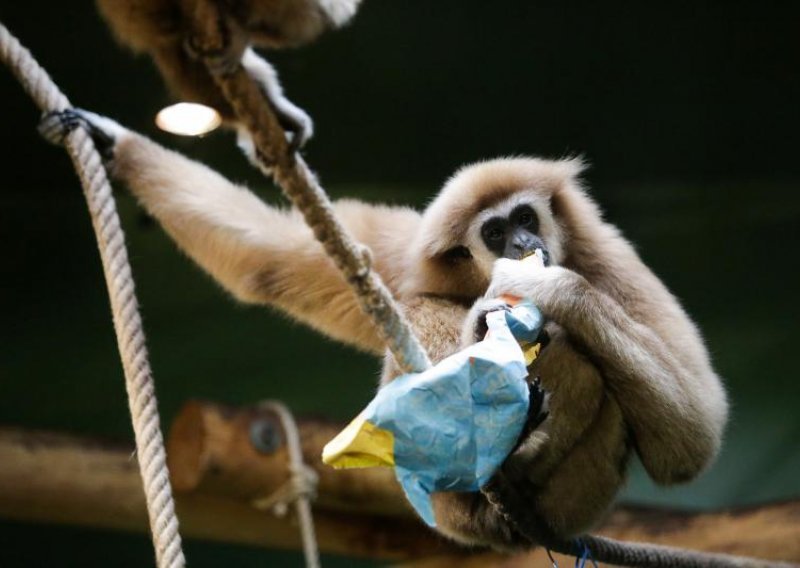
{"points": [[568, 182], [479, 186]]}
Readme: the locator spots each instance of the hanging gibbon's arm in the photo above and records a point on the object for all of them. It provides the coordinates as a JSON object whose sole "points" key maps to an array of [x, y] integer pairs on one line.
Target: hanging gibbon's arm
{"points": [[259, 253], [647, 349]]}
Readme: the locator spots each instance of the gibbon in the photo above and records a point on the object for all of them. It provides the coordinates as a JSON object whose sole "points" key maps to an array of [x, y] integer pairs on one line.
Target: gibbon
{"points": [[165, 29], [624, 367]]}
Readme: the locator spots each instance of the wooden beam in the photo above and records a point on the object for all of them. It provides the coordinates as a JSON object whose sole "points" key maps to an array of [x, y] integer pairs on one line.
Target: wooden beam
{"points": [[61, 479], [240, 453], [218, 471], [211, 448]]}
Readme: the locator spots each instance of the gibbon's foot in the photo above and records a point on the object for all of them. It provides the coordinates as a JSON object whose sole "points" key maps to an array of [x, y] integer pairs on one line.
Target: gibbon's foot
{"points": [[533, 435], [538, 409], [55, 126], [297, 125], [219, 60]]}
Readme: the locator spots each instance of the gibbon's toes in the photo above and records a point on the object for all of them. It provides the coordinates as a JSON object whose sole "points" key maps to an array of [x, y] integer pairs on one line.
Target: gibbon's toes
{"points": [[55, 126], [298, 125], [220, 60], [538, 407]]}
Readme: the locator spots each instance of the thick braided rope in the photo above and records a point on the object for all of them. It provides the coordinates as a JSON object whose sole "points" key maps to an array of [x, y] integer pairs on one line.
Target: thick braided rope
{"points": [[127, 322], [507, 502], [302, 188]]}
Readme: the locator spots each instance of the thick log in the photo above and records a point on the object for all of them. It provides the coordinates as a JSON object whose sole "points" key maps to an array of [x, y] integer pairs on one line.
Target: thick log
{"points": [[211, 449], [61, 479]]}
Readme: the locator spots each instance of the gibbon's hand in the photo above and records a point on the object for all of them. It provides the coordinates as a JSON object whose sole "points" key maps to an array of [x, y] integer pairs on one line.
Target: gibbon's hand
{"points": [[524, 279], [295, 121], [476, 321], [55, 126]]}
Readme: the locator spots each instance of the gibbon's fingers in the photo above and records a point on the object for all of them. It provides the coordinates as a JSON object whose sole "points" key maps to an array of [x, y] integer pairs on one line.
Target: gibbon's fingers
{"points": [[296, 122], [476, 327], [54, 126]]}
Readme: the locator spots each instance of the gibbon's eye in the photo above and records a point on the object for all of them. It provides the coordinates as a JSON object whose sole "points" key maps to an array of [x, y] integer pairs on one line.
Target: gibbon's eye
{"points": [[457, 253], [525, 217], [493, 232]]}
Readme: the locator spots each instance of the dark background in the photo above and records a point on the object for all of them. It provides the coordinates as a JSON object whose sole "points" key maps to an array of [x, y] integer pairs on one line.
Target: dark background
{"points": [[687, 113]]}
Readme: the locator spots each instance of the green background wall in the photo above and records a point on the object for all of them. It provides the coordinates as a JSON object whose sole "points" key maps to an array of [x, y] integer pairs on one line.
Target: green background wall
{"points": [[686, 111]]}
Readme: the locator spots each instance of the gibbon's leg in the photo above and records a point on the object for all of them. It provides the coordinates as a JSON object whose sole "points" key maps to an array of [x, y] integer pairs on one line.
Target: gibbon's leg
{"points": [[222, 43], [575, 393], [259, 253], [213, 36], [676, 415], [568, 501], [470, 519], [575, 495]]}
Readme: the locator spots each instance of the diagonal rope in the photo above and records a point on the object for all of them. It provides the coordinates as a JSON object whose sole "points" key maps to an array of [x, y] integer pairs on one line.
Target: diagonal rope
{"points": [[124, 306], [300, 185]]}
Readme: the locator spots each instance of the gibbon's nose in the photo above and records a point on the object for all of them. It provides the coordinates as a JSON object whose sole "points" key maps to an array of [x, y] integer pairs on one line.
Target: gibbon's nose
{"points": [[520, 244]]}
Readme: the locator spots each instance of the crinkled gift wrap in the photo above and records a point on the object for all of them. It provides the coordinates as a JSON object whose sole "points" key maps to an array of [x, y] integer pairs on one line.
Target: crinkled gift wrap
{"points": [[450, 427]]}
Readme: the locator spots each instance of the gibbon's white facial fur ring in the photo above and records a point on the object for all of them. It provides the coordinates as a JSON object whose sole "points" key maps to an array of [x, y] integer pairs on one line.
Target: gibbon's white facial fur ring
{"points": [[548, 230]]}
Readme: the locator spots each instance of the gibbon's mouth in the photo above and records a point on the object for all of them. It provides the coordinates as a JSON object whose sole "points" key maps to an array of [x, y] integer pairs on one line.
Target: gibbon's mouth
{"points": [[538, 251]]}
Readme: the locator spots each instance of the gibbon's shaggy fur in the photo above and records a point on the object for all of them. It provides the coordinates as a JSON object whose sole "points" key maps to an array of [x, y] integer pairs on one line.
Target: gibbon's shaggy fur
{"points": [[625, 367], [165, 29]]}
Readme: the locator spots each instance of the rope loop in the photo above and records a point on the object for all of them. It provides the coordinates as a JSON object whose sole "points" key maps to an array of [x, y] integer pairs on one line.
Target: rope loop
{"points": [[301, 486]]}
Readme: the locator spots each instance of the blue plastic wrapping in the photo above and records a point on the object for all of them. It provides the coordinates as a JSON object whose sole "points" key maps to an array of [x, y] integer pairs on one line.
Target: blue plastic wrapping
{"points": [[453, 425]]}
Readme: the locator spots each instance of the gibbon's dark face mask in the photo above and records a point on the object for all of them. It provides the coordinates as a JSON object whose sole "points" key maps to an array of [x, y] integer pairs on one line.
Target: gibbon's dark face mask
{"points": [[514, 236]]}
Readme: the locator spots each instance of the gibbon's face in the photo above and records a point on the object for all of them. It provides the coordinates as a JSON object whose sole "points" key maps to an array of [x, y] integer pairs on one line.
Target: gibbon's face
{"points": [[510, 229], [496, 209]]}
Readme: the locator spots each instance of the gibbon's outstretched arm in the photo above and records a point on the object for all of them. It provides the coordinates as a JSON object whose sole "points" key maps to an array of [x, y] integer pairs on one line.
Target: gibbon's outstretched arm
{"points": [[259, 253], [636, 333]]}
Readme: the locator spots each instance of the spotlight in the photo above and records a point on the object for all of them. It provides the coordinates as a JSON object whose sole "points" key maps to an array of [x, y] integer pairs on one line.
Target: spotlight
{"points": [[188, 119]]}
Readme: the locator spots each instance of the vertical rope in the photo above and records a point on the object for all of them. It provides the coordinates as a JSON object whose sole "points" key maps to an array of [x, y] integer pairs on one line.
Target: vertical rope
{"points": [[124, 306], [302, 483]]}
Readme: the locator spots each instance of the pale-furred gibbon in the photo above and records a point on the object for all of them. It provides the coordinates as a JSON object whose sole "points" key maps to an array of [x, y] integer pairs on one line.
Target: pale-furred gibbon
{"points": [[166, 30], [624, 367]]}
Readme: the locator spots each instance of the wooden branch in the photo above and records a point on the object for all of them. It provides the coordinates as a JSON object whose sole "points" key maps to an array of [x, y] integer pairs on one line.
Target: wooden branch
{"points": [[211, 449], [60, 479], [218, 472]]}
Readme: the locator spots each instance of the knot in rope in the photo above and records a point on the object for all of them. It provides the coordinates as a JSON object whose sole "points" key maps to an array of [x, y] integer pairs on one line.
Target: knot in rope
{"points": [[299, 489]]}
